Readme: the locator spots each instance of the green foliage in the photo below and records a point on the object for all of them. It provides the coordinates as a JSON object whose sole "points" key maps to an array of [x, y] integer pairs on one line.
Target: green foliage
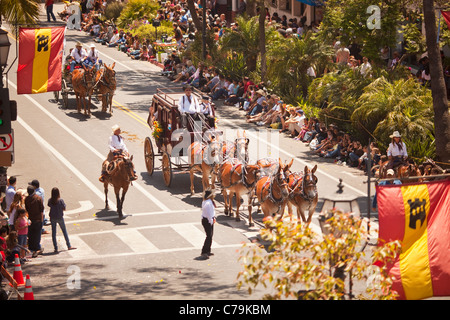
{"points": [[403, 105], [233, 66], [302, 264], [288, 63], [136, 10], [113, 10], [148, 31], [348, 21]]}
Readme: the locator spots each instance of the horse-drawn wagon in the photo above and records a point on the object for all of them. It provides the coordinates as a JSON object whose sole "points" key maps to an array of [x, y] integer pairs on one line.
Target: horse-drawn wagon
{"points": [[83, 82], [173, 142]]}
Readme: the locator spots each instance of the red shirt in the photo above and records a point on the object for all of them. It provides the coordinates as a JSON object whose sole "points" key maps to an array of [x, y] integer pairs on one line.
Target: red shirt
{"points": [[48, 2]]}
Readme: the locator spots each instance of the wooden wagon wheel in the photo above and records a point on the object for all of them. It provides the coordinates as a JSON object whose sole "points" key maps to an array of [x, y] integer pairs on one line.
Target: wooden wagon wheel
{"points": [[149, 155], [167, 169]]}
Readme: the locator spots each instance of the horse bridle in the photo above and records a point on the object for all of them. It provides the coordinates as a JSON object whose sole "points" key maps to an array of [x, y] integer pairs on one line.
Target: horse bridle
{"points": [[270, 191]]}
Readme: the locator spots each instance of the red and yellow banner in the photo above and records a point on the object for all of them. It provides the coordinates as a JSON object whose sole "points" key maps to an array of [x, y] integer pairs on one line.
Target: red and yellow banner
{"points": [[419, 216], [40, 59], [446, 15]]}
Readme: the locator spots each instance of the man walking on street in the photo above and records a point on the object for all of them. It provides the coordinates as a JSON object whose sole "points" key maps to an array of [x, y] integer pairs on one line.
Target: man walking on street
{"points": [[35, 209], [208, 220], [49, 7]]}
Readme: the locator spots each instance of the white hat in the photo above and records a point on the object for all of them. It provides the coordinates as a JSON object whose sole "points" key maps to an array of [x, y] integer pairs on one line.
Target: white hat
{"points": [[115, 127], [390, 172], [92, 46], [396, 134]]}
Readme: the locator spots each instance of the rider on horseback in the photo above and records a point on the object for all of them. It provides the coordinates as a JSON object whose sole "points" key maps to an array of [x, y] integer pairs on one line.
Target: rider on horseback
{"points": [[396, 152], [117, 149]]}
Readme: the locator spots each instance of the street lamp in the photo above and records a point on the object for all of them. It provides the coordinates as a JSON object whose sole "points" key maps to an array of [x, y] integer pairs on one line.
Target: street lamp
{"points": [[4, 48], [341, 201]]}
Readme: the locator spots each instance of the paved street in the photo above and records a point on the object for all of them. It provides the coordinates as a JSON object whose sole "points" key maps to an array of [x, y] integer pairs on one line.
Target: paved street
{"points": [[152, 253]]}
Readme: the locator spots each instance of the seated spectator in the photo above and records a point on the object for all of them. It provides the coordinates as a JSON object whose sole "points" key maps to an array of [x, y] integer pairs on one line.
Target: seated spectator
{"points": [[187, 71], [295, 124], [222, 92], [257, 107], [233, 99]]}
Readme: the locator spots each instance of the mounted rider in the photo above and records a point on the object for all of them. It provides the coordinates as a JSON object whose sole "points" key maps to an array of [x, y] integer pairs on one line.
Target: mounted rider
{"points": [[117, 149], [397, 153]]}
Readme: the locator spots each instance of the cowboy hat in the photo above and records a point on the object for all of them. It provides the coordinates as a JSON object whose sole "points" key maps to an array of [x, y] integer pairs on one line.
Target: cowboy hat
{"points": [[92, 46], [396, 134], [390, 172], [208, 194], [261, 92], [78, 44], [115, 127]]}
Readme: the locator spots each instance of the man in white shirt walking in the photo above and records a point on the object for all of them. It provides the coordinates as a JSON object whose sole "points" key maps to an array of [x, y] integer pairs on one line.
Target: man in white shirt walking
{"points": [[208, 220]]}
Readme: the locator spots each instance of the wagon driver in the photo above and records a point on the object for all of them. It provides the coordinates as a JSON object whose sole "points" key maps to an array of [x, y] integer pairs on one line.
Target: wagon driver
{"points": [[117, 149], [78, 55], [188, 105]]}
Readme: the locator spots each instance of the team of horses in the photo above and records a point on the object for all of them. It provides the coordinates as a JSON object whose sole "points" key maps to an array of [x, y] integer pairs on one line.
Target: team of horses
{"points": [[425, 171], [87, 80], [269, 182]]}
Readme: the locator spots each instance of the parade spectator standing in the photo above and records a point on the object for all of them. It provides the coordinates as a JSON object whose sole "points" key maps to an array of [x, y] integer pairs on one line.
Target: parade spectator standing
{"points": [[10, 192], [49, 7], [342, 55], [57, 208], [41, 193], [208, 220], [21, 226], [35, 209], [15, 206]]}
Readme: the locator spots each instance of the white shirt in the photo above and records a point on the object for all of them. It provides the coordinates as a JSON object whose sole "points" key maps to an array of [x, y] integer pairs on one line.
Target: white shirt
{"points": [[300, 120], [184, 106], [117, 142], [78, 56], [93, 54], [206, 109], [365, 67], [208, 210], [394, 151]]}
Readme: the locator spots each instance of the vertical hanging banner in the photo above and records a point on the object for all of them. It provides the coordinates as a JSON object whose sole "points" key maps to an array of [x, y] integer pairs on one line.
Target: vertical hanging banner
{"points": [[40, 59], [446, 15], [418, 215]]}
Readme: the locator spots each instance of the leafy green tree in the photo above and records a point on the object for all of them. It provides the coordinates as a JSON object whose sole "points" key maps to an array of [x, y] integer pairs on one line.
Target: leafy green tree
{"points": [[23, 12], [136, 10], [289, 60], [302, 264], [403, 105]]}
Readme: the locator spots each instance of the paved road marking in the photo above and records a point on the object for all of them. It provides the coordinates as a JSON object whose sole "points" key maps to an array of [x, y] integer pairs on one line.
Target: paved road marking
{"points": [[88, 146], [84, 206]]}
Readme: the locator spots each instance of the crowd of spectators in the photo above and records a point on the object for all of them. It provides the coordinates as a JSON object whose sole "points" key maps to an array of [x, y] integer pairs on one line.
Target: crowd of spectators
{"points": [[258, 106]]}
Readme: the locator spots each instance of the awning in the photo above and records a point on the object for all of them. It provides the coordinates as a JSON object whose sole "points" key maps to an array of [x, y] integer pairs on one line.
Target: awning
{"points": [[314, 3]]}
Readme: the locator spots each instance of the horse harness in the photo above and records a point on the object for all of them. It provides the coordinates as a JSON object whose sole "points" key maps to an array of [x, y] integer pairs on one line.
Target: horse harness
{"points": [[302, 190], [243, 180], [270, 195]]}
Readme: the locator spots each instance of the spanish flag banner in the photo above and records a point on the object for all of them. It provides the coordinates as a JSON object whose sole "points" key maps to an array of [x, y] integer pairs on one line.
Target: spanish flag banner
{"points": [[418, 215], [40, 59], [446, 15]]}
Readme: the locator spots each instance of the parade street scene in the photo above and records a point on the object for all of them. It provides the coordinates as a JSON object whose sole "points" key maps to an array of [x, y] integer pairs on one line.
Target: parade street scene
{"points": [[224, 151]]}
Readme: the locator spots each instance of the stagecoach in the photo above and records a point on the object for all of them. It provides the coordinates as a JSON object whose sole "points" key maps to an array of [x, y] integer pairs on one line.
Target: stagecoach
{"points": [[170, 139]]}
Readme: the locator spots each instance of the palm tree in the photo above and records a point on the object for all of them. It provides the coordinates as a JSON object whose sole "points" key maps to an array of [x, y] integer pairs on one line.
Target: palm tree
{"points": [[402, 105], [245, 40], [440, 102], [20, 12], [289, 60]]}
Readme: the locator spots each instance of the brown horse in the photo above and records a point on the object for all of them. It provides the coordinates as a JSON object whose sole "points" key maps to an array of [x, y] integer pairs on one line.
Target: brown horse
{"points": [[237, 177], [272, 190], [105, 80], [205, 158], [303, 193], [120, 172], [83, 86]]}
